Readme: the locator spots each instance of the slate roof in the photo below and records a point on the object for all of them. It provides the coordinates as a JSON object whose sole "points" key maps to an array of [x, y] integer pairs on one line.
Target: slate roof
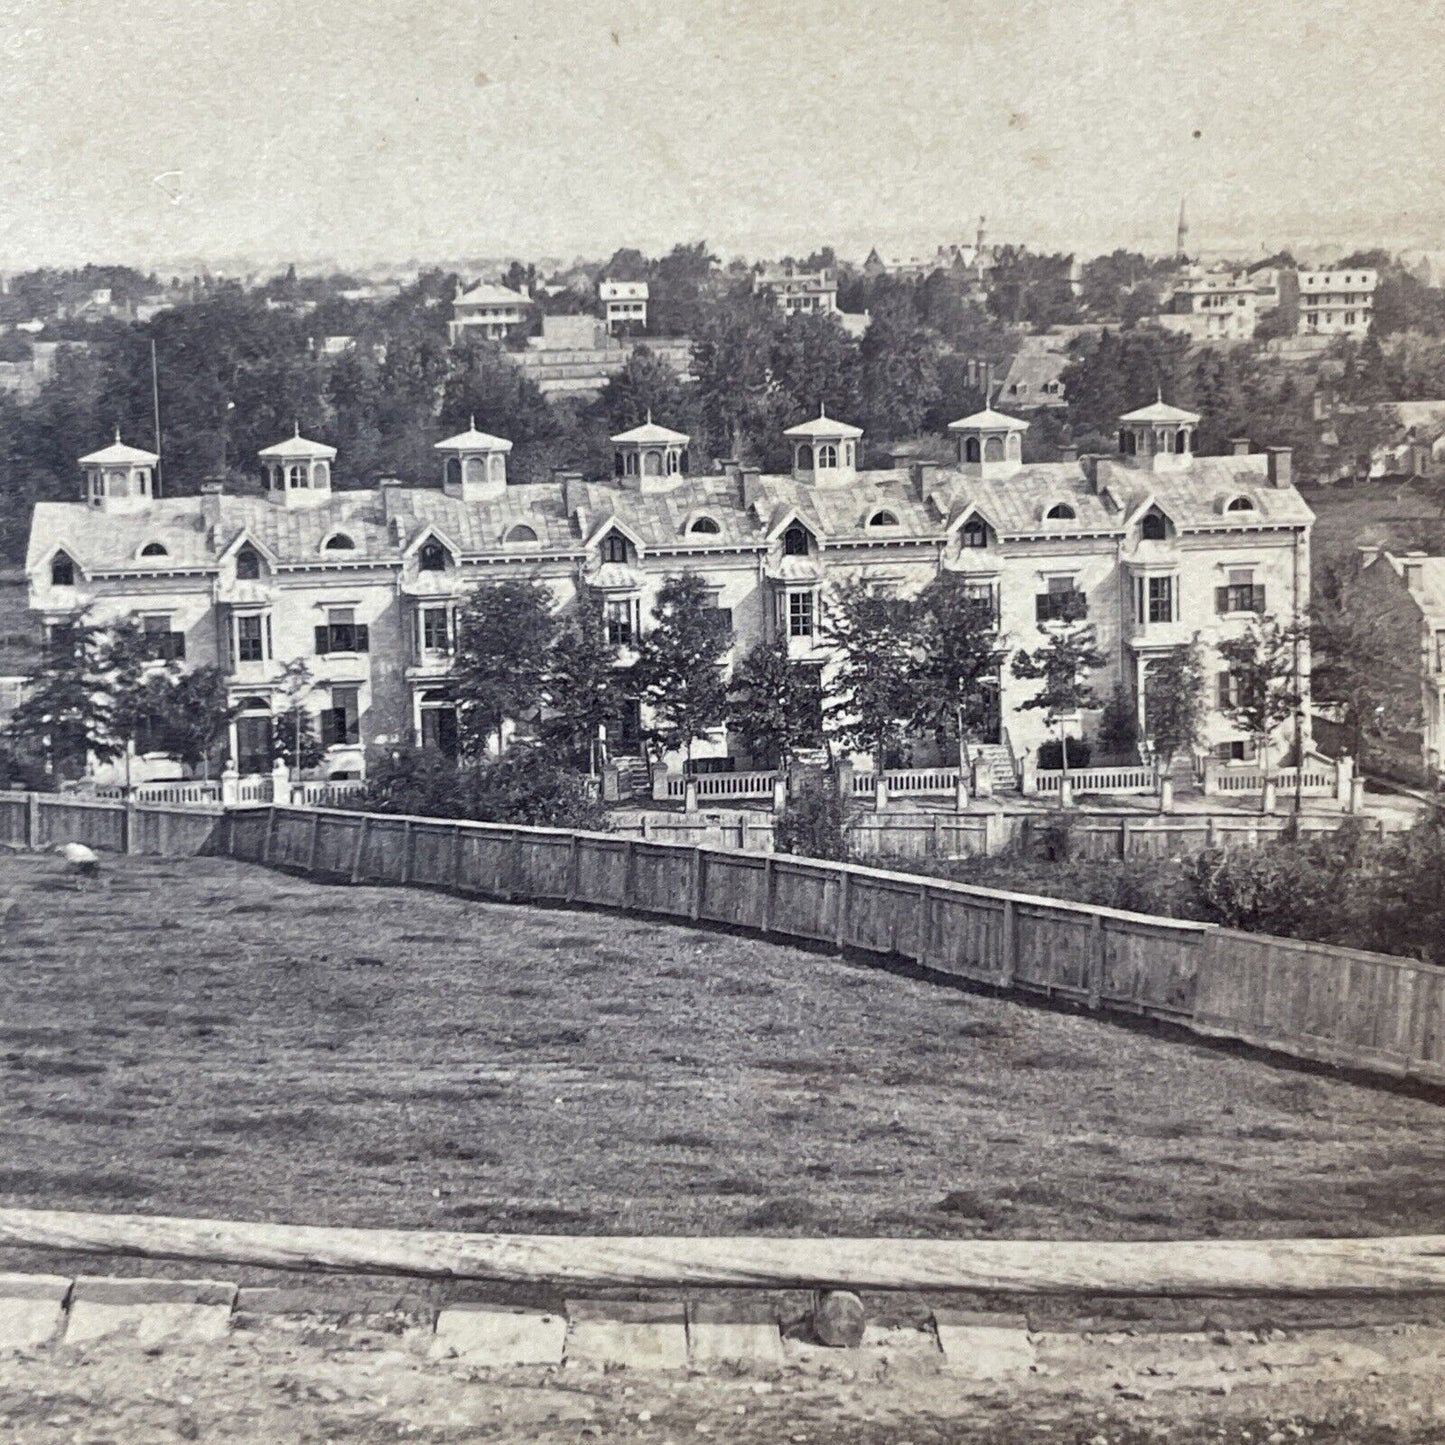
{"points": [[487, 293]]}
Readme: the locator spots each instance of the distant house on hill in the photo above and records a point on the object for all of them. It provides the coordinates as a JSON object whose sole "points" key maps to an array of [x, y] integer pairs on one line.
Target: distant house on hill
{"points": [[489, 311]]}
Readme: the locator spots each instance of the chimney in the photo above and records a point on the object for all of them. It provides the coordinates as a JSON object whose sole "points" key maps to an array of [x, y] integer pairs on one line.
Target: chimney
{"points": [[1367, 554], [574, 489], [900, 455], [1069, 453], [386, 490], [1412, 564], [1239, 446], [1280, 465], [925, 474], [750, 485], [1092, 465], [211, 493]]}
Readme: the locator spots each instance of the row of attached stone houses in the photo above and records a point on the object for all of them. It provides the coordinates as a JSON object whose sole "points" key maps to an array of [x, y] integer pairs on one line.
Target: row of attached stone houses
{"points": [[364, 586]]}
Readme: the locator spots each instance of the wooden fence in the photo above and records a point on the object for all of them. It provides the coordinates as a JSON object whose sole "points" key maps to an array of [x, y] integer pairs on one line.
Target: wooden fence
{"points": [[1333, 1005], [40, 820]]}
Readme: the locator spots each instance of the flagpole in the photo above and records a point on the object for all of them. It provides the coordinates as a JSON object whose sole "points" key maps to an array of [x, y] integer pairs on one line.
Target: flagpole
{"points": [[156, 412]]}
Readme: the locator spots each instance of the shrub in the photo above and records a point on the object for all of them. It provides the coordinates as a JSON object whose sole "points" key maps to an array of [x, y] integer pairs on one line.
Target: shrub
{"points": [[1051, 754], [815, 822]]}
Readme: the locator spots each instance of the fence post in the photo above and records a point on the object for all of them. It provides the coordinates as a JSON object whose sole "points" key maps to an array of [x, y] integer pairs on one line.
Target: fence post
{"points": [[1096, 960], [695, 885], [1123, 838], [629, 869], [268, 843], [1008, 944], [127, 827], [840, 922], [358, 851], [315, 841], [573, 863], [456, 870], [938, 835], [406, 851], [518, 841], [925, 924], [32, 820], [767, 892]]}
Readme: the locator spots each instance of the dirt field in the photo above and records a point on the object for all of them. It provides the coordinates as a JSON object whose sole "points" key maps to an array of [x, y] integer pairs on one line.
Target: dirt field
{"points": [[208, 1038]]}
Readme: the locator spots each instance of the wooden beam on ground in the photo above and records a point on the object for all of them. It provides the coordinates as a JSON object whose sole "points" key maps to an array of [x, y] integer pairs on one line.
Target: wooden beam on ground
{"points": [[1216, 1267]]}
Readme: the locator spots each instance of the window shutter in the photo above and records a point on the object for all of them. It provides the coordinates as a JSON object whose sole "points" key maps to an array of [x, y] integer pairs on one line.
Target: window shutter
{"points": [[323, 640], [178, 646], [363, 637], [1258, 599], [1221, 600]]}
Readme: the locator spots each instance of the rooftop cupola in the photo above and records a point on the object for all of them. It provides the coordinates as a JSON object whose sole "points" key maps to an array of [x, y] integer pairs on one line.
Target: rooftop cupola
{"points": [[990, 444], [825, 451], [119, 478], [475, 469], [1158, 437], [649, 457], [297, 472]]}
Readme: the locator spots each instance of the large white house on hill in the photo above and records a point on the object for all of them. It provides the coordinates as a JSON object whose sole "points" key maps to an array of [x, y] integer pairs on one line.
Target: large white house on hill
{"points": [[1158, 542]]}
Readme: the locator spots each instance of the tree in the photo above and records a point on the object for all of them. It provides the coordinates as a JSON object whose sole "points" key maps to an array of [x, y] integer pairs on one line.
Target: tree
{"points": [[680, 664], [1176, 701], [899, 362], [195, 714], [646, 385], [295, 742], [581, 681], [962, 656], [65, 715], [876, 694], [504, 638], [776, 703], [1062, 667], [1263, 687]]}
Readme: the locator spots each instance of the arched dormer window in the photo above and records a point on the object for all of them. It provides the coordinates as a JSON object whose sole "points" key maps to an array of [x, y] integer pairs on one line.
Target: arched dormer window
{"points": [[432, 557], [497, 466], [248, 565], [849, 454], [796, 541], [296, 477], [827, 456], [1153, 528], [630, 464], [614, 547], [340, 543], [1240, 504], [321, 474], [1128, 443], [971, 452], [993, 449], [454, 472], [476, 469], [1060, 512], [706, 525], [154, 549], [1181, 441], [652, 464], [1015, 448], [672, 463], [883, 519], [974, 533], [805, 458], [62, 571], [520, 533]]}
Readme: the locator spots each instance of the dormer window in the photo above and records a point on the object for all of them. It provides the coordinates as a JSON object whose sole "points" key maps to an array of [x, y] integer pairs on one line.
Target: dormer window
{"points": [[974, 533], [296, 477], [883, 519], [796, 542], [520, 533], [1240, 504], [971, 452], [248, 565], [1153, 528], [614, 547], [706, 525], [1060, 512], [62, 571], [154, 549], [432, 557], [340, 543]]}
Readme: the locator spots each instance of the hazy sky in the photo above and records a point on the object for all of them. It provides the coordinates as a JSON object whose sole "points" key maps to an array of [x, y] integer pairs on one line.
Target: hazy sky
{"points": [[363, 129]]}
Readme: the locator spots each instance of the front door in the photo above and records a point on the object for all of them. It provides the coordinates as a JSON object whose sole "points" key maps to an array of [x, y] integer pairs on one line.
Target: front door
{"points": [[254, 744]]}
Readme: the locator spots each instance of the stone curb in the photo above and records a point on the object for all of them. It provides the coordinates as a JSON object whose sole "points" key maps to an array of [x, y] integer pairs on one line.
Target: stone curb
{"points": [[633, 1334], [32, 1309], [148, 1312], [983, 1346]]}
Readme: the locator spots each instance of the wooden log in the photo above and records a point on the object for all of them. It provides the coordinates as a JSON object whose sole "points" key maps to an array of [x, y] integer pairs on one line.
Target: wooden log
{"points": [[838, 1319], [1207, 1268]]}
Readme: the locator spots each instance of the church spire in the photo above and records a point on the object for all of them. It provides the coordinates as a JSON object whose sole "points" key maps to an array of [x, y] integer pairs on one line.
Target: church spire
{"points": [[1181, 236]]}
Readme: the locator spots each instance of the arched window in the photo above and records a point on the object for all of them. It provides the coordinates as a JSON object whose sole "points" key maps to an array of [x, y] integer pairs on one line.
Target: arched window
{"points": [[614, 547], [453, 472], [804, 458], [320, 474], [682, 460], [618, 464], [1240, 504], [672, 463], [1181, 441], [432, 557], [143, 481], [296, 477], [975, 533], [154, 549], [851, 454], [795, 541], [1153, 528], [652, 464], [707, 525], [971, 451], [631, 464], [340, 543], [476, 469], [1014, 448], [117, 484], [883, 519], [1060, 512], [1128, 443], [62, 571], [520, 533], [827, 456], [248, 565], [993, 449], [497, 466]]}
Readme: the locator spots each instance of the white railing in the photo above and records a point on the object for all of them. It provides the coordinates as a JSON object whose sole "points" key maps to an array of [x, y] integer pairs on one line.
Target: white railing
{"points": [[255, 789], [1321, 778], [178, 792], [1099, 780], [724, 785], [325, 794], [909, 782]]}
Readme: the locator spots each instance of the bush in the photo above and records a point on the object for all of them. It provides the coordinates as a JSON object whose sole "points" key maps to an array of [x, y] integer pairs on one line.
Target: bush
{"points": [[815, 822], [1051, 754]]}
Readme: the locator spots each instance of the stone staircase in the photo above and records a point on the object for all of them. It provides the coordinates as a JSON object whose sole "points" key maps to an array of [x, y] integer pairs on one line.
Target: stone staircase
{"points": [[997, 759], [634, 778]]}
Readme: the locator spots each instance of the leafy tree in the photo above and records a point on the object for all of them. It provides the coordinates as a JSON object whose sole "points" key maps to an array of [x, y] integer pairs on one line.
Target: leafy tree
{"points": [[1118, 724], [899, 361], [294, 739], [962, 654], [875, 687], [581, 681], [680, 664], [1264, 683], [1061, 666], [1025, 287], [776, 703], [645, 385], [505, 633], [815, 821], [1176, 701], [65, 716], [194, 715]]}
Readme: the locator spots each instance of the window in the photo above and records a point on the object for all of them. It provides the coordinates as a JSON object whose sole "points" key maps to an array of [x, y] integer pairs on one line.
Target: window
{"points": [[341, 722], [795, 541], [452, 473], [1440, 652], [248, 565], [1153, 528], [1240, 504], [160, 642], [1154, 599], [1228, 694], [970, 450], [614, 547], [993, 449], [621, 618], [342, 633], [436, 632], [705, 525], [983, 592], [340, 543], [800, 614], [296, 477], [974, 533], [1239, 595], [250, 637], [827, 456], [882, 519], [520, 533], [804, 460], [62, 571], [1062, 602], [61, 639], [432, 557], [321, 475], [1060, 512], [154, 549]]}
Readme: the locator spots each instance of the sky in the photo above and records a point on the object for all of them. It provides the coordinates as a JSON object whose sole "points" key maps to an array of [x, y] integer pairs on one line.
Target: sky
{"points": [[378, 130]]}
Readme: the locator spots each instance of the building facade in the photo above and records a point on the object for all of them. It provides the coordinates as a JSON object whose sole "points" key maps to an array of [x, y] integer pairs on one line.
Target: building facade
{"points": [[797, 291], [1336, 303], [1155, 543], [1213, 306], [624, 303], [488, 311]]}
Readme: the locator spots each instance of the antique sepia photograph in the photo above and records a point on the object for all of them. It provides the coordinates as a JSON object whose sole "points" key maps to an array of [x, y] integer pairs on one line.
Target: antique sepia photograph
{"points": [[722, 722]]}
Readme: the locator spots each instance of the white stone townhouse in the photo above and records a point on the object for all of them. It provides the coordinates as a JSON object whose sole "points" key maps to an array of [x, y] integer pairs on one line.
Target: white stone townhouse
{"points": [[363, 586]]}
